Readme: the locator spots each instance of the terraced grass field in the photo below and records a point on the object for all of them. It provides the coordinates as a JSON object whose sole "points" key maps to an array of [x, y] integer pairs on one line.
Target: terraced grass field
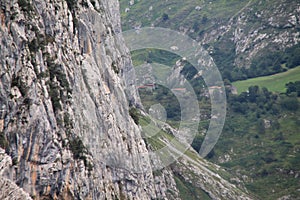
{"points": [[274, 83]]}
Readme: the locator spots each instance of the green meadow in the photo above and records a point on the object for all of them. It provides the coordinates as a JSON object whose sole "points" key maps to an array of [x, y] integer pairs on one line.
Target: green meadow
{"points": [[274, 83]]}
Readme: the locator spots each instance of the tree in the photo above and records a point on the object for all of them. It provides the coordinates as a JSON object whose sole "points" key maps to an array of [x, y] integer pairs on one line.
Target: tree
{"points": [[196, 26], [293, 87], [204, 19], [289, 103], [253, 93], [197, 142], [165, 17], [240, 107], [261, 126]]}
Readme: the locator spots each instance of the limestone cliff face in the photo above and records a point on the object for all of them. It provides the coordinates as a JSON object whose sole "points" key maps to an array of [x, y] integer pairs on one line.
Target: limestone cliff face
{"points": [[63, 106], [9, 190], [65, 93]]}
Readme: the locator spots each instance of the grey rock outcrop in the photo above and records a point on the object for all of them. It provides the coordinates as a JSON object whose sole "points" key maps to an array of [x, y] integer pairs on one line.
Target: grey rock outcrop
{"points": [[9, 190], [67, 85], [66, 110], [259, 26]]}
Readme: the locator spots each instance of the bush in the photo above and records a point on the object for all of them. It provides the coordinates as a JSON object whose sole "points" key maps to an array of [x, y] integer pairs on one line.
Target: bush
{"points": [[71, 4], [55, 97], [293, 87], [289, 103], [16, 81], [115, 67], [197, 142], [25, 5], [165, 17], [33, 45], [77, 148], [134, 113], [3, 141]]}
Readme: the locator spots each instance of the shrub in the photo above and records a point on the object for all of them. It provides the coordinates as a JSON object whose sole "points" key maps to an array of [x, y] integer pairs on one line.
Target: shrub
{"points": [[25, 5], [71, 4], [77, 148], [289, 103], [293, 87], [55, 97], [33, 45], [165, 17], [15, 161], [3, 141], [134, 113], [93, 3], [16, 81], [115, 67]]}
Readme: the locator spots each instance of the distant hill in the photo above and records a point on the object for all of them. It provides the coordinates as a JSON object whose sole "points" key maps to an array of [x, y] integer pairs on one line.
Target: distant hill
{"points": [[246, 38]]}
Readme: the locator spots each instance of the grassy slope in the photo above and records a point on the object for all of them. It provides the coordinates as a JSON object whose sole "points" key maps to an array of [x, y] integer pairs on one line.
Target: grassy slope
{"points": [[181, 13], [188, 191], [274, 83], [270, 160], [160, 139]]}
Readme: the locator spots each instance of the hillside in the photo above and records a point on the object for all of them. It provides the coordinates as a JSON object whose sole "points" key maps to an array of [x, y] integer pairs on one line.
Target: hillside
{"points": [[71, 118], [253, 40], [238, 34], [274, 83]]}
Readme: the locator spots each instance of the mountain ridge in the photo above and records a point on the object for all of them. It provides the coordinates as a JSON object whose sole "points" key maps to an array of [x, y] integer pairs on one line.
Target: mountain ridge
{"points": [[237, 34]]}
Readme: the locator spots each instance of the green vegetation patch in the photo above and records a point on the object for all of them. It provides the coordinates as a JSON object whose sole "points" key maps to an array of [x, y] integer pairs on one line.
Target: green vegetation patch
{"points": [[3, 141], [189, 191], [25, 5], [261, 133], [261, 136], [274, 83], [134, 113]]}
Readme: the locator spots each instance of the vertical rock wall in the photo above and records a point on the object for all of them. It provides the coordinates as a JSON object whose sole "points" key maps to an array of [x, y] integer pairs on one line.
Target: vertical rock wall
{"points": [[64, 110]]}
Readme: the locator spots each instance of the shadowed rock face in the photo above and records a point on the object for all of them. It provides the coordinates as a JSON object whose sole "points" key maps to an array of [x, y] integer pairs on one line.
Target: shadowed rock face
{"points": [[63, 100], [9, 190], [65, 90]]}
